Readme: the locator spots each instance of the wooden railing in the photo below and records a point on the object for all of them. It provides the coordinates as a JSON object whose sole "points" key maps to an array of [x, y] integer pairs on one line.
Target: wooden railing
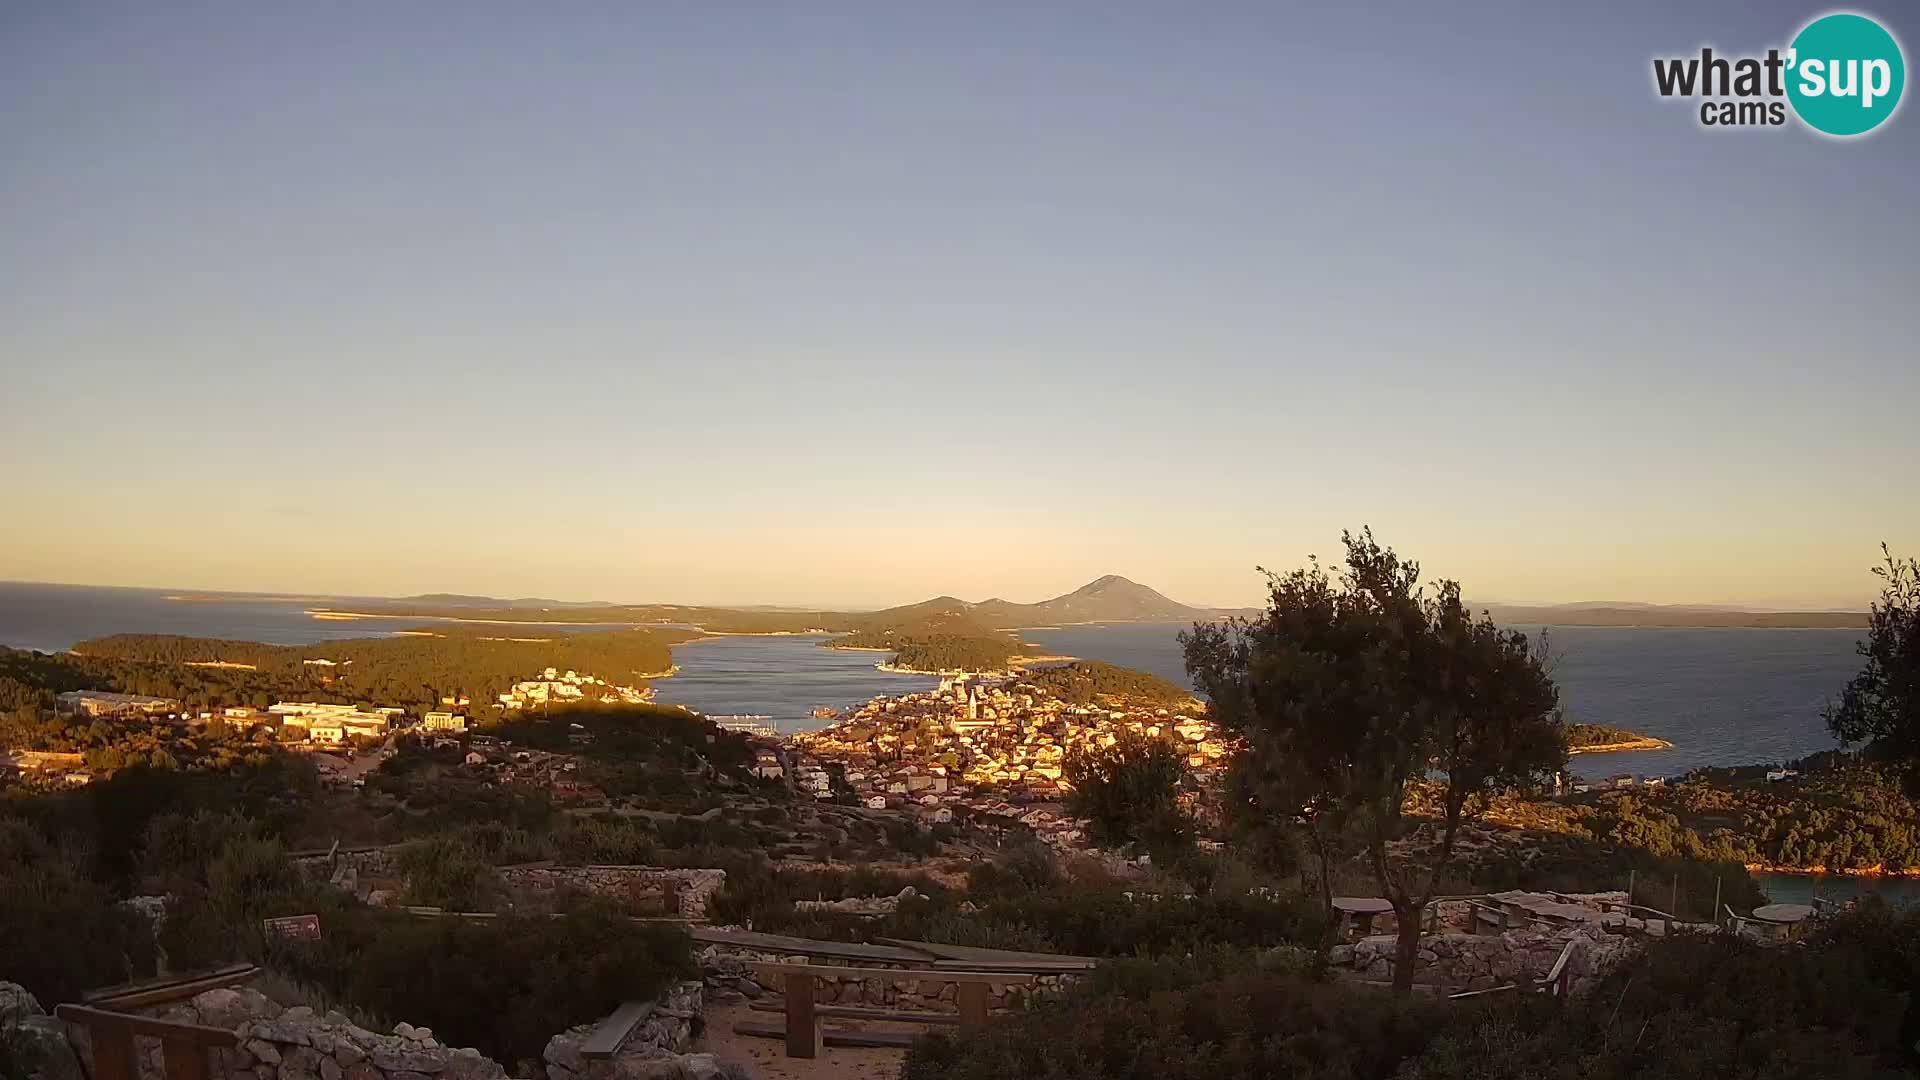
{"points": [[804, 1034], [166, 989], [183, 1047]]}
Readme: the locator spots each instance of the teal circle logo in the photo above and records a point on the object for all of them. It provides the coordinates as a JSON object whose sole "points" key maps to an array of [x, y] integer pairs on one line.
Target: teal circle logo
{"points": [[1845, 74]]}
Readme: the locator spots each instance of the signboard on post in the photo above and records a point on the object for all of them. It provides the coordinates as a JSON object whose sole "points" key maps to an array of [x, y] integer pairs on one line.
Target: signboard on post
{"points": [[293, 927]]}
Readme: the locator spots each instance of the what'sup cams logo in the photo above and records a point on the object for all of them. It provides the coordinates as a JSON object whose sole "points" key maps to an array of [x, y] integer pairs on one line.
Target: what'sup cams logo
{"points": [[1842, 76]]}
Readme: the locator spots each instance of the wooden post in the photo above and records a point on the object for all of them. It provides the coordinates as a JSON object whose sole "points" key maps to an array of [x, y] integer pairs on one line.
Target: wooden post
{"points": [[1673, 906], [184, 1059], [973, 1002], [803, 1025], [1716, 899], [113, 1057], [1630, 877], [184, 1046]]}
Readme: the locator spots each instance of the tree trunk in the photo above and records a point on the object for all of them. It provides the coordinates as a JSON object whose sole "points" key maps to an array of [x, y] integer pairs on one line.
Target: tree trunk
{"points": [[1407, 948], [1330, 930]]}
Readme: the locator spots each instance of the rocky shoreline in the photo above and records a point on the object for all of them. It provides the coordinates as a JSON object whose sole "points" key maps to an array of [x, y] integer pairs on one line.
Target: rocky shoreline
{"points": [[1645, 742]]}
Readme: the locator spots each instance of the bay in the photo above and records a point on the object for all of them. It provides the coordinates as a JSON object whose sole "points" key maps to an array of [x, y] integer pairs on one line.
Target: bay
{"points": [[1722, 696], [783, 676]]}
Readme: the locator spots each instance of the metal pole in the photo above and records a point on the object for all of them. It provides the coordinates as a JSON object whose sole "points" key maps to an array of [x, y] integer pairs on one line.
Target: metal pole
{"points": [[1673, 908], [1716, 899], [1630, 877]]}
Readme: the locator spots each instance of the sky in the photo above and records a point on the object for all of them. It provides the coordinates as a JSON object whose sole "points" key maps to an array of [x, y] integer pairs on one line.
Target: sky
{"points": [[853, 304]]}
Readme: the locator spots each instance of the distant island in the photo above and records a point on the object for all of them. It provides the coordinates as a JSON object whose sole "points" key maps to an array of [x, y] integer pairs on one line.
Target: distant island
{"points": [[1671, 615], [1601, 739], [1106, 599]]}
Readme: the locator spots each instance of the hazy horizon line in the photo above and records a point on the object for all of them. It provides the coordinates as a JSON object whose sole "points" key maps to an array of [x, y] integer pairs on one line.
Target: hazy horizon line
{"points": [[294, 595]]}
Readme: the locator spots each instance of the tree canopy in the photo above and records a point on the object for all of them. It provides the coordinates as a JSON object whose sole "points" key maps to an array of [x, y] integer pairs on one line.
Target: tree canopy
{"points": [[1128, 792], [1347, 689], [1881, 705]]}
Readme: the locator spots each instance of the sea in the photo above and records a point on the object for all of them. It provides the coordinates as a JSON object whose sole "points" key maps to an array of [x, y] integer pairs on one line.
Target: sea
{"points": [[1722, 696]]}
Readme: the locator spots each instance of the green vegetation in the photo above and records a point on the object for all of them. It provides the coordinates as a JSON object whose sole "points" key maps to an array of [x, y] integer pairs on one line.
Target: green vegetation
{"points": [[1841, 813], [1129, 794], [1347, 692], [1689, 1007], [413, 671], [1588, 736], [932, 640], [1023, 899], [1084, 682], [1881, 705], [503, 986]]}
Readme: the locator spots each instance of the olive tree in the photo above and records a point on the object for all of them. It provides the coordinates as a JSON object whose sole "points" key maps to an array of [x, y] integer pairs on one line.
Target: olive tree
{"points": [[1350, 688], [1881, 705]]}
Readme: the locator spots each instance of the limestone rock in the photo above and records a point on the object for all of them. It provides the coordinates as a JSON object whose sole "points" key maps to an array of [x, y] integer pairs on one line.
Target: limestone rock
{"points": [[415, 1061]]}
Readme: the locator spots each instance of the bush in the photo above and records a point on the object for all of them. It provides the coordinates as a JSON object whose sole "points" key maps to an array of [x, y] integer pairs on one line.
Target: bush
{"points": [[452, 872], [61, 933], [1695, 1006], [1278, 1024], [504, 986], [1690, 1007]]}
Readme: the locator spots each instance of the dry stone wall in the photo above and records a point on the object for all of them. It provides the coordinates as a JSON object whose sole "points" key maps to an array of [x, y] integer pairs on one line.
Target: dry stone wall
{"points": [[694, 888], [362, 871], [729, 974], [1483, 961], [278, 1043]]}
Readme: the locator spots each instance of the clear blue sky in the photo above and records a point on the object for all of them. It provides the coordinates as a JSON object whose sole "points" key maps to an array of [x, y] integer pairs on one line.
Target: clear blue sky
{"points": [[857, 304]]}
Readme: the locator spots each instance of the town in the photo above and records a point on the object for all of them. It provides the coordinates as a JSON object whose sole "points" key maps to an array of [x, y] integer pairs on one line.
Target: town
{"points": [[994, 745]]}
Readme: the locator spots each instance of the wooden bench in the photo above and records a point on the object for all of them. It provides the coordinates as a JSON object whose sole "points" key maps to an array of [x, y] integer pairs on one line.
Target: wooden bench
{"points": [[183, 1047], [609, 1034], [803, 1032], [867, 1012], [1491, 915], [893, 1040]]}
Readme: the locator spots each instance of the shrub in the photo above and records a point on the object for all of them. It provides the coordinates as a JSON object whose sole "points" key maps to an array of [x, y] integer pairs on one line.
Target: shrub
{"points": [[504, 986], [1247, 1024], [451, 872], [61, 933]]}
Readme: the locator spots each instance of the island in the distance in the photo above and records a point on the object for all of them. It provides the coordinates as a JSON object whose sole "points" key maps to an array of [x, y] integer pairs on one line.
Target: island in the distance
{"points": [[1601, 739]]}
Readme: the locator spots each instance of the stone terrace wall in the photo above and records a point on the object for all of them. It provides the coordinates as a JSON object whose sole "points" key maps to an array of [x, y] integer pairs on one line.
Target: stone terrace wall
{"points": [[1483, 961], [354, 870], [696, 887], [298, 1044], [729, 977]]}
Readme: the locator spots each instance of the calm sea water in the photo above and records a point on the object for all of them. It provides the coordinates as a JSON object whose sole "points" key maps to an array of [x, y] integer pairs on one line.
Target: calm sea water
{"points": [[1721, 696], [783, 677], [52, 618]]}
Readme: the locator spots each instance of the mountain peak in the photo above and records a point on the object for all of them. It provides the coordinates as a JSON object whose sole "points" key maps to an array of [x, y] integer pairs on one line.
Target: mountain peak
{"points": [[1105, 583]]}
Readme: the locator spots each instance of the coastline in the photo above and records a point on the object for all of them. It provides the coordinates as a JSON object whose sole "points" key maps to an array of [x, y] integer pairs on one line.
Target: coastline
{"points": [[328, 614], [1645, 743], [1870, 872], [1015, 664]]}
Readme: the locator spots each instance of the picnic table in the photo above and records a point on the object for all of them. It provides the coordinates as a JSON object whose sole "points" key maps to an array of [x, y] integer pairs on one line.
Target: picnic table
{"points": [[1357, 912], [1784, 919]]}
